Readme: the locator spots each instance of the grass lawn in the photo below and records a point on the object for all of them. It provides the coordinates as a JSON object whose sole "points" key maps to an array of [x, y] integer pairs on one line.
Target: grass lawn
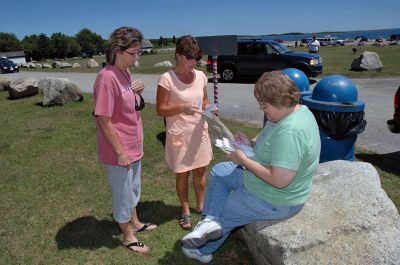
{"points": [[55, 200], [337, 60]]}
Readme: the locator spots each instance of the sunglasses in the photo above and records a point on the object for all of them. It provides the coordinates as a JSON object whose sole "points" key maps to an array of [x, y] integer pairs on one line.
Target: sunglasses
{"points": [[141, 104], [138, 52], [190, 58]]}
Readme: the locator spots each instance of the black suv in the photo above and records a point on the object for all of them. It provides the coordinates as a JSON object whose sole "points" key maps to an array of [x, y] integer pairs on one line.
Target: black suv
{"points": [[256, 56], [8, 66]]}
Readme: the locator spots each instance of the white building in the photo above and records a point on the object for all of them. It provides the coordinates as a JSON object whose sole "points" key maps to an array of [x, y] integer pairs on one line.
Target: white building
{"points": [[17, 57]]}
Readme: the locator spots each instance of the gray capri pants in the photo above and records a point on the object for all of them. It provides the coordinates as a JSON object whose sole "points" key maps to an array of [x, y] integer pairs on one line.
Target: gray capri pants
{"points": [[125, 188]]}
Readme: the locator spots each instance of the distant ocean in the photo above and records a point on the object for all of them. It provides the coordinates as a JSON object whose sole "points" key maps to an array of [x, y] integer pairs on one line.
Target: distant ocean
{"points": [[369, 34]]}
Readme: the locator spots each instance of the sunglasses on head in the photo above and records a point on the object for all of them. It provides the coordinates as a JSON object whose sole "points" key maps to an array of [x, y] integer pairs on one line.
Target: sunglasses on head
{"points": [[139, 106]]}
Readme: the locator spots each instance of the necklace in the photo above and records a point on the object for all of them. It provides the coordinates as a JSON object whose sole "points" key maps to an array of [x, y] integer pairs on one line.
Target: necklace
{"points": [[127, 78]]}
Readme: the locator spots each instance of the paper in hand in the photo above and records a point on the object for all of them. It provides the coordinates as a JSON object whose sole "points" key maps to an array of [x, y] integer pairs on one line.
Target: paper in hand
{"points": [[229, 146]]}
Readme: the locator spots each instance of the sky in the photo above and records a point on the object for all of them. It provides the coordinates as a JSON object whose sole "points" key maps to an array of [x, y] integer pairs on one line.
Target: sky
{"points": [[198, 18]]}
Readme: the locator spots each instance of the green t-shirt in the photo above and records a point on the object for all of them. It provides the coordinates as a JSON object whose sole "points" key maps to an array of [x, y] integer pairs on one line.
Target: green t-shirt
{"points": [[292, 143]]}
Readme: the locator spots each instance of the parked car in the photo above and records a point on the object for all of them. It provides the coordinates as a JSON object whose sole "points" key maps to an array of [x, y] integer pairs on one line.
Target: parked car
{"points": [[256, 56], [8, 66], [394, 124]]}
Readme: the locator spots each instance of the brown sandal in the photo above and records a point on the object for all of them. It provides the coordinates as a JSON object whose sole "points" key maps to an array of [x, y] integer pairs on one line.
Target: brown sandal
{"points": [[185, 221]]}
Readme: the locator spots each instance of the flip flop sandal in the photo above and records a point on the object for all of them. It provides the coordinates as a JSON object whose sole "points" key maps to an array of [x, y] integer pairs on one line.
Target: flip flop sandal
{"points": [[185, 222], [138, 244], [147, 227]]}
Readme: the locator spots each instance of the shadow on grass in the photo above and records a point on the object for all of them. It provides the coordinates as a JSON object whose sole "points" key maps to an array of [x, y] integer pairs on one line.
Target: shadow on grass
{"points": [[161, 138], [386, 162], [89, 233]]}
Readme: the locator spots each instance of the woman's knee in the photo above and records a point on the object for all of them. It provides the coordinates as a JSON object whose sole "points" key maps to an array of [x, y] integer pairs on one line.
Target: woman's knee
{"points": [[222, 169]]}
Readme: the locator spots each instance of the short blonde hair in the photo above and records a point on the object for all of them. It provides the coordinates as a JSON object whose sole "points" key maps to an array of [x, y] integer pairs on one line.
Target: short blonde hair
{"points": [[188, 46], [276, 89], [121, 39]]}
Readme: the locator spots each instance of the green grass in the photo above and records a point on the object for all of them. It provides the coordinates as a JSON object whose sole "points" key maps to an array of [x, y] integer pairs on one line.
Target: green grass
{"points": [[55, 200], [337, 60]]}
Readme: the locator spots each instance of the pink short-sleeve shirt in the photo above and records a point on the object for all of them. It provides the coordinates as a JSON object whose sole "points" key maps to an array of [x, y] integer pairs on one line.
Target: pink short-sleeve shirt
{"points": [[115, 99]]}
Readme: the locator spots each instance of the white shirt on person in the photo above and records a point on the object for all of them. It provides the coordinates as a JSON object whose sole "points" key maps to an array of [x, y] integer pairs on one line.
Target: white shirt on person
{"points": [[313, 45]]}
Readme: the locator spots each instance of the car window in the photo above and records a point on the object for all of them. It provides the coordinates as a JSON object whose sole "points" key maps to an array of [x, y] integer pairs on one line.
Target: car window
{"points": [[279, 48], [246, 49]]}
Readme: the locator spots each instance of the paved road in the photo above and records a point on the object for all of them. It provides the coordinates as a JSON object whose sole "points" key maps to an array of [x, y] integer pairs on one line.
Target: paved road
{"points": [[237, 102]]}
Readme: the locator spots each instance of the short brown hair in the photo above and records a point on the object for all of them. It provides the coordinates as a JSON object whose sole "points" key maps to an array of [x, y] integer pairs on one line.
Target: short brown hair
{"points": [[276, 89], [188, 46], [121, 39]]}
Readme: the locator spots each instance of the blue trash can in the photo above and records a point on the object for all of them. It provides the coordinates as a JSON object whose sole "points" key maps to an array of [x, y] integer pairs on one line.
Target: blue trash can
{"points": [[339, 114], [301, 81]]}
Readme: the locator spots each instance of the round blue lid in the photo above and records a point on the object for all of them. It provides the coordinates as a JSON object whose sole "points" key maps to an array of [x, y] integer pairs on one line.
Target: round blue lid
{"points": [[298, 77]]}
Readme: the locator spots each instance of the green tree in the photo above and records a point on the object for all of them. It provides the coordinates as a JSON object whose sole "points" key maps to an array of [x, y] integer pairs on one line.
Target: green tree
{"points": [[43, 50], [59, 45], [29, 44], [90, 42], [9, 42], [173, 39]]}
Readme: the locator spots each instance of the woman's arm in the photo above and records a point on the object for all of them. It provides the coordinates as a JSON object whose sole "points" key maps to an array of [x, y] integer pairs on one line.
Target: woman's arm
{"points": [[165, 110], [112, 138], [275, 176], [205, 99]]}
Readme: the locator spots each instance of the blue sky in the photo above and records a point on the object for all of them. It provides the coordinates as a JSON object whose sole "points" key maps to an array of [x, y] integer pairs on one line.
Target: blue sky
{"points": [[199, 18]]}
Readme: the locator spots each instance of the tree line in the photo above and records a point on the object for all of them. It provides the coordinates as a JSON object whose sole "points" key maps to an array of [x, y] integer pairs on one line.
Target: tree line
{"points": [[40, 47], [58, 45]]}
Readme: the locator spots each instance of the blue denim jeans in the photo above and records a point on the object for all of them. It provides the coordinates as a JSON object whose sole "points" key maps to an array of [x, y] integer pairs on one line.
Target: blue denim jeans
{"points": [[233, 205]]}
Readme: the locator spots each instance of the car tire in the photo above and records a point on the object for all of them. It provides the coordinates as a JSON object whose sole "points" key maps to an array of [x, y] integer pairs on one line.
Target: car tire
{"points": [[228, 74]]}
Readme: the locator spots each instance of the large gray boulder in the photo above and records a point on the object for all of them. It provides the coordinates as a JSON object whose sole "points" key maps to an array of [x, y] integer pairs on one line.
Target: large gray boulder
{"points": [[23, 87], [59, 91], [92, 63], [367, 61], [348, 219], [4, 83]]}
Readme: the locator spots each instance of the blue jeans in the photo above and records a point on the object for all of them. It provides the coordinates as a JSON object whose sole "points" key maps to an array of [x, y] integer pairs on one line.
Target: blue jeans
{"points": [[228, 200]]}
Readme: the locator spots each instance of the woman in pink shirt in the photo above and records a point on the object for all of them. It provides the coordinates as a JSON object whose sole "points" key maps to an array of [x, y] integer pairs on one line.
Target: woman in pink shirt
{"points": [[120, 133], [181, 97]]}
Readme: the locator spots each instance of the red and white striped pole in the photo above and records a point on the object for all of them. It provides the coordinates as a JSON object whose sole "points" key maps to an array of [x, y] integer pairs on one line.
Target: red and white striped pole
{"points": [[215, 81]]}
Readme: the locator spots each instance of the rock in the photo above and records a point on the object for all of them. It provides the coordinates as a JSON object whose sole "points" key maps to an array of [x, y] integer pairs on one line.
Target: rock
{"points": [[4, 83], [367, 61], [38, 66], [31, 65], [46, 65], [65, 65], [92, 63], [76, 65], [59, 91], [163, 64], [201, 63], [56, 64], [348, 219], [23, 87]]}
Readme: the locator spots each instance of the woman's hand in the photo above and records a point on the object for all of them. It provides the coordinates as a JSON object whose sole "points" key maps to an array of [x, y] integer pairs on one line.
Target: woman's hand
{"points": [[243, 139], [137, 86], [123, 160], [238, 157], [189, 108]]}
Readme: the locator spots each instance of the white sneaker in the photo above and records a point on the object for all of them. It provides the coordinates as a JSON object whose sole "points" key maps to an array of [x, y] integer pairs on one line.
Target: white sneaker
{"points": [[196, 254], [203, 232]]}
